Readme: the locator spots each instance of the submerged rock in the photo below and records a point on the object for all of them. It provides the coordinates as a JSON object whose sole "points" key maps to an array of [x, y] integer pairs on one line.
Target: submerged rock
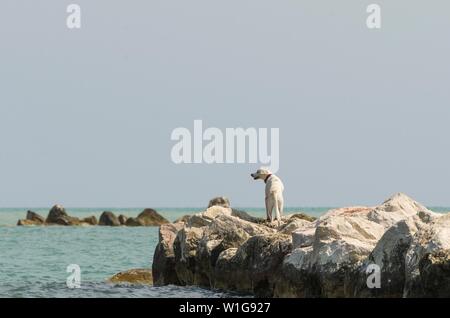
{"points": [[25, 222], [133, 276]]}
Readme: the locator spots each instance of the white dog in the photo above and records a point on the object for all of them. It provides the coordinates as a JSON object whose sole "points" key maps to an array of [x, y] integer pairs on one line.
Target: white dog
{"points": [[274, 192]]}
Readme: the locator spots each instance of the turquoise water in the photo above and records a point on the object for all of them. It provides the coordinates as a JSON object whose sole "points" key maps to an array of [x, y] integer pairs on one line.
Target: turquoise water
{"points": [[33, 260]]}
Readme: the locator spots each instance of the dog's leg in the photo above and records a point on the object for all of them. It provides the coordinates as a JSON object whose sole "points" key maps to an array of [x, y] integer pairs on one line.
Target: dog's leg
{"points": [[277, 207], [267, 209], [270, 206], [280, 204]]}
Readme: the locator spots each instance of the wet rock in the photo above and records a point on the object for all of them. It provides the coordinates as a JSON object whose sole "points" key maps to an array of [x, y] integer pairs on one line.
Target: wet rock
{"points": [[25, 222], [133, 276]]}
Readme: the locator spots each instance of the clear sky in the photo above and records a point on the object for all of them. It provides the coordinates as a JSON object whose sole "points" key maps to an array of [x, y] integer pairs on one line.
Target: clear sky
{"points": [[86, 115]]}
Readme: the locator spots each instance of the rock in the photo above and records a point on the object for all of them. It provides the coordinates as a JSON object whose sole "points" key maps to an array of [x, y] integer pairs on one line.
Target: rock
{"points": [[205, 218], [109, 219], [303, 236], [55, 213], [183, 219], [59, 216], [25, 222], [252, 267], [428, 261], [324, 262], [33, 216], [296, 224], [163, 267], [134, 222], [123, 219], [185, 250], [150, 217], [303, 216], [219, 201], [197, 247], [91, 220], [245, 216], [225, 203], [133, 276], [389, 254], [302, 257]]}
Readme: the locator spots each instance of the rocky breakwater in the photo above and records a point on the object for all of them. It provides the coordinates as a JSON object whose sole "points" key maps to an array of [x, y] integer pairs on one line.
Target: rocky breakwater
{"points": [[58, 216], [333, 256]]}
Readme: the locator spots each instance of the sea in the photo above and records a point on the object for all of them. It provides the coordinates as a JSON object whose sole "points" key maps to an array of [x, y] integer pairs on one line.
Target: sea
{"points": [[34, 260]]}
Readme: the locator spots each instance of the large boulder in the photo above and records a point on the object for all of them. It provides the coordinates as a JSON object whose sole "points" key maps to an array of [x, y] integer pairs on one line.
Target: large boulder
{"points": [[203, 237], [108, 218], [254, 266], [324, 261], [185, 251], [389, 256], [163, 267], [56, 212], [304, 257], [59, 216]]}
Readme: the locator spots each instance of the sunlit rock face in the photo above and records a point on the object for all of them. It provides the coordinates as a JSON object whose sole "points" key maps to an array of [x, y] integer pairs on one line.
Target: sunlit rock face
{"points": [[307, 257]]}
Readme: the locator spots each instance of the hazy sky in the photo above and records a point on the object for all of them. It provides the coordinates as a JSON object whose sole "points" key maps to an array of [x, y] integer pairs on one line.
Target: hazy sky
{"points": [[86, 115]]}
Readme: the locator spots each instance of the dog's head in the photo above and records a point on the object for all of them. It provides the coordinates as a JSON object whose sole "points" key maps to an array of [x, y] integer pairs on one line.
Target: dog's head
{"points": [[261, 174]]}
